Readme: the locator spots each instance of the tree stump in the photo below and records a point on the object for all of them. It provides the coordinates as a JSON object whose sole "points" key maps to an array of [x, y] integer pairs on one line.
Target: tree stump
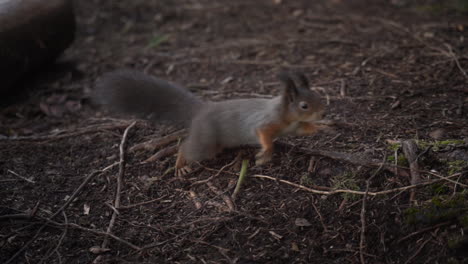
{"points": [[32, 33]]}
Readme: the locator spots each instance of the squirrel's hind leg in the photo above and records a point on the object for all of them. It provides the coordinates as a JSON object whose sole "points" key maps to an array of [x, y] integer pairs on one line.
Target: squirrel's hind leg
{"points": [[181, 167], [193, 151]]}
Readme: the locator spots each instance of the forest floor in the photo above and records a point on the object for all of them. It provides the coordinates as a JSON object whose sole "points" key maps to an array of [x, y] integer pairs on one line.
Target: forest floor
{"points": [[394, 72]]}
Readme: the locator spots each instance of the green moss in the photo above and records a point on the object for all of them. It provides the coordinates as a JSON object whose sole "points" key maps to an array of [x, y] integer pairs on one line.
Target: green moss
{"points": [[456, 166], [401, 160], [157, 40], [457, 242], [459, 6], [346, 181], [394, 147], [441, 208], [439, 144], [463, 220], [439, 189], [306, 180]]}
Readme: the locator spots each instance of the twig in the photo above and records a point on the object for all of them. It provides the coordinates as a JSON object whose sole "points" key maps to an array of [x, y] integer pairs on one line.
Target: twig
{"points": [[423, 230], [119, 183], [97, 232], [342, 88], [363, 213], [455, 58], [142, 203], [418, 250], [55, 249], [400, 189], [21, 177], [325, 229], [217, 174]]}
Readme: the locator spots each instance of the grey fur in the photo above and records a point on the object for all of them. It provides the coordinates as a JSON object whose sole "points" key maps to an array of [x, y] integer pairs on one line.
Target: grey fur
{"points": [[132, 92]]}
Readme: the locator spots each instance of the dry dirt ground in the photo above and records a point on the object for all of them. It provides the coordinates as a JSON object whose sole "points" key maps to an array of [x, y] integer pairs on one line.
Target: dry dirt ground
{"points": [[390, 71]]}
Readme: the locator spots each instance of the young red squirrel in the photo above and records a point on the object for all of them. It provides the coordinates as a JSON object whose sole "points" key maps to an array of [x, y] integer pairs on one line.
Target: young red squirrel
{"points": [[214, 126]]}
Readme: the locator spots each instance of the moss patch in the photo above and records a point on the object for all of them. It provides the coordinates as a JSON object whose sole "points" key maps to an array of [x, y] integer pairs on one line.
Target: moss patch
{"points": [[401, 160], [456, 166], [441, 208], [439, 144], [346, 181]]}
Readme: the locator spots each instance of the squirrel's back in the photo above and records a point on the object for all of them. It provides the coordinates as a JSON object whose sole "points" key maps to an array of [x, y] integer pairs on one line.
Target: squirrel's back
{"points": [[132, 92]]}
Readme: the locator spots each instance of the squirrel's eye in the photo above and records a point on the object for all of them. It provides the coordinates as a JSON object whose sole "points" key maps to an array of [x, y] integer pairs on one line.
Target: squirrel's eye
{"points": [[303, 105]]}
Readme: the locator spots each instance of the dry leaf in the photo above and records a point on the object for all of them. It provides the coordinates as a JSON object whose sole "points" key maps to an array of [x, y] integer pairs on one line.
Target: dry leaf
{"points": [[86, 208], [302, 222], [98, 250]]}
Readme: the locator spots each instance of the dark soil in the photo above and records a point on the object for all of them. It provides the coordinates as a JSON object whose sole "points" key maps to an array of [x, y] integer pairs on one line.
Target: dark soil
{"points": [[391, 70]]}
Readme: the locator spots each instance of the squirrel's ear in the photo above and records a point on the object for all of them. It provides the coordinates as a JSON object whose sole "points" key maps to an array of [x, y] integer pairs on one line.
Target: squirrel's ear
{"points": [[290, 91], [303, 81]]}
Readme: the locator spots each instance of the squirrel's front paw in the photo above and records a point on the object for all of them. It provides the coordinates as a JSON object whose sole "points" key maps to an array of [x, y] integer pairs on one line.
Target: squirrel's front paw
{"points": [[263, 157], [179, 172]]}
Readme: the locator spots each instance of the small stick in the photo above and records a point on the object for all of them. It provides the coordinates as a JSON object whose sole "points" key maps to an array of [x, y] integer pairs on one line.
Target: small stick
{"points": [[342, 88], [142, 203], [399, 189], [119, 183], [240, 181], [21, 177], [325, 229], [418, 250], [217, 174], [51, 252], [94, 231], [423, 230]]}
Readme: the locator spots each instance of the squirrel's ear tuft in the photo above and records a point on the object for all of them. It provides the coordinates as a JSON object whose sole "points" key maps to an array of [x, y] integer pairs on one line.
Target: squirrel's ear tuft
{"points": [[290, 91], [302, 80]]}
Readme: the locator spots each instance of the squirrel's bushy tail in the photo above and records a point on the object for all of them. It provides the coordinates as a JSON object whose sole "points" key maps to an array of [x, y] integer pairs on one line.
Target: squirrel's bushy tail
{"points": [[132, 92]]}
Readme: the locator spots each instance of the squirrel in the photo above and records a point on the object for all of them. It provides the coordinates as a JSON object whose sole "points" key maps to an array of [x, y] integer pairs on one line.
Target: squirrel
{"points": [[214, 126]]}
